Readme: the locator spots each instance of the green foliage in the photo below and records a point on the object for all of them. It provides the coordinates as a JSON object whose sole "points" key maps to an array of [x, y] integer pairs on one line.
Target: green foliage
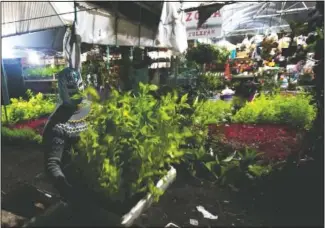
{"points": [[234, 167], [44, 71], [201, 115], [35, 107], [211, 112], [311, 47], [131, 141], [206, 53], [205, 87], [296, 111], [14, 136], [100, 68], [238, 102], [268, 82], [210, 81]]}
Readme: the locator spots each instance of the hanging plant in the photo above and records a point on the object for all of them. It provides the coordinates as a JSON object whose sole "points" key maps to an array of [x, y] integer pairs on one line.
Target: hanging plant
{"points": [[207, 54]]}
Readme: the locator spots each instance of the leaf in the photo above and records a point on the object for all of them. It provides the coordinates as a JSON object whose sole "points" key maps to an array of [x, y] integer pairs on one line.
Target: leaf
{"points": [[153, 87], [184, 98], [230, 158]]}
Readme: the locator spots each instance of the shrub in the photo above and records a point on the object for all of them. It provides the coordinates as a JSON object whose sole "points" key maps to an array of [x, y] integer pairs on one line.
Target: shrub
{"points": [[295, 111], [211, 112], [206, 53], [211, 81], [44, 71], [130, 142], [19, 136], [35, 107], [202, 114]]}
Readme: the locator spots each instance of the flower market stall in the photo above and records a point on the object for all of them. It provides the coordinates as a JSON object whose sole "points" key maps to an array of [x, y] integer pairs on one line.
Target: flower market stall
{"points": [[236, 115]]}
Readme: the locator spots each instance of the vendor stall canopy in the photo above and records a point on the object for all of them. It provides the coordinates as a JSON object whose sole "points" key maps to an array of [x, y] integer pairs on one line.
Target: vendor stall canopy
{"points": [[131, 23], [263, 16], [98, 19], [136, 23], [253, 17]]}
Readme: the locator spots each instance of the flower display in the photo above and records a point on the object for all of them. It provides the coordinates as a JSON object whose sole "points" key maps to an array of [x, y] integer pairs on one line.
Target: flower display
{"points": [[275, 141]]}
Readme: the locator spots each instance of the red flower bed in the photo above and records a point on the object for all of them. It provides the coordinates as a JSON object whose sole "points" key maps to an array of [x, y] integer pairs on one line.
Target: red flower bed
{"points": [[275, 141], [37, 124]]}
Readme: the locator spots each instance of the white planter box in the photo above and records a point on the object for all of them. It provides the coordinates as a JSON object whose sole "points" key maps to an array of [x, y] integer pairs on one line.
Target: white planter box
{"points": [[61, 209]]}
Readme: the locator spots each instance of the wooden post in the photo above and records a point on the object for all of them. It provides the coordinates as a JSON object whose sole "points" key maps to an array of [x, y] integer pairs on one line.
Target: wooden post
{"points": [[176, 69]]}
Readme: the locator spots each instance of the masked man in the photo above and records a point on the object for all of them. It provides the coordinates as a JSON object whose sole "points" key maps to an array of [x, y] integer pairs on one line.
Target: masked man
{"points": [[63, 129]]}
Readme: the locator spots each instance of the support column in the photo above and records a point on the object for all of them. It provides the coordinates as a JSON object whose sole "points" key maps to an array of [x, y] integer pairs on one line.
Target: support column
{"points": [[5, 93]]}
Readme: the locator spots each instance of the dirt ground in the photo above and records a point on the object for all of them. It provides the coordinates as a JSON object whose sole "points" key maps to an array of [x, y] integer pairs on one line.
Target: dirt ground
{"points": [[19, 165], [178, 205]]}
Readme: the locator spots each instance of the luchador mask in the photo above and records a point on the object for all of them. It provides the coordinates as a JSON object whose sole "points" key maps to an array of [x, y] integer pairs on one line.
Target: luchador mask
{"points": [[70, 84]]}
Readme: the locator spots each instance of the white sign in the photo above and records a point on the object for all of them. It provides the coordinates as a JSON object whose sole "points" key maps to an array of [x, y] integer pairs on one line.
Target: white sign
{"points": [[211, 28]]}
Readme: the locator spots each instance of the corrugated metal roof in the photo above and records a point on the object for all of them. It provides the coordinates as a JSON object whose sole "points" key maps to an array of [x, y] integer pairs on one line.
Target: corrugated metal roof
{"points": [[16, 17]]}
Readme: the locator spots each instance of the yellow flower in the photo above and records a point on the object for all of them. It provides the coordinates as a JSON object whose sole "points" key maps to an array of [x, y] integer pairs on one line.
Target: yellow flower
{"points": [[125, 113]]}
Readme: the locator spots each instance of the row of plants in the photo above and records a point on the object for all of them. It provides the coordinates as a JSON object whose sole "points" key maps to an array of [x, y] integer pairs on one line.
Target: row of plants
{"points": [[134, 139], [23, 136], [294, 111], [24, 110], [43, 71]]}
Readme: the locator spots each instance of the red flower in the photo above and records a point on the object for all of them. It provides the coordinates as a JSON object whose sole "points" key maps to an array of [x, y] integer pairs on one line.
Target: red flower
{"points": [[37, 124], [276, 141]]}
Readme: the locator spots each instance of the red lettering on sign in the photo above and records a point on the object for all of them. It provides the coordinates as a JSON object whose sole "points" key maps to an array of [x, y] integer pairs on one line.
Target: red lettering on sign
{"points": [[208, 32], [196, 16], [212, 31], [189, 14]]}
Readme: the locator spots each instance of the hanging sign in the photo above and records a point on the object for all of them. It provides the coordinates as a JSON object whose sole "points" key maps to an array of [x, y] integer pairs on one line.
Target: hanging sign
{"points": [[211, 28]]}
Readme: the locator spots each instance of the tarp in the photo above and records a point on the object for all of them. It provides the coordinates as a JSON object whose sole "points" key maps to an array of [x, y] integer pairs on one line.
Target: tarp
{"points": [[94, 26], [246, 17], [257, 17], [172, 28], [45, 40]]}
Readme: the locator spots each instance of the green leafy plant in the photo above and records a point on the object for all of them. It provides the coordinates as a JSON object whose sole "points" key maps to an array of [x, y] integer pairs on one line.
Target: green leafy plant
{"points": [[295, 111], [106, 76], [35, 107], [14, 136], [131, 141], [229, 166], [206, 53], [202, 113], [44, 71], [268, 83], [211, 112], [210, 81]]}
